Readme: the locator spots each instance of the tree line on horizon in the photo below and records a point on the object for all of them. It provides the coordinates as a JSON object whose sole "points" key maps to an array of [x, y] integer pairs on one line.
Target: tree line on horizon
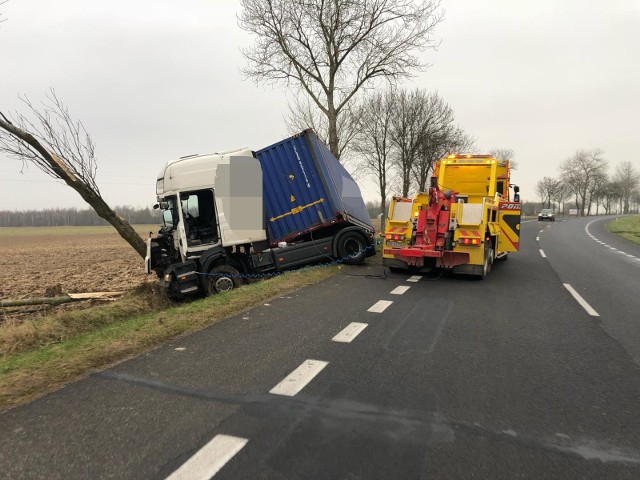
{"points": [[75, 217], [584, 179]]}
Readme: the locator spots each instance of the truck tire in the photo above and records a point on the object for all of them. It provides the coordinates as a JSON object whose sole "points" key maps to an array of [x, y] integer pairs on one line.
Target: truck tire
{"points": [[222, 278], [484, 269], [352, 248]]}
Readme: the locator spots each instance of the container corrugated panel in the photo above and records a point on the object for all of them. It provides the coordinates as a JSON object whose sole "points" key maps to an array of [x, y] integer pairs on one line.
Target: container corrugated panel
{"points": [[305, 187]]}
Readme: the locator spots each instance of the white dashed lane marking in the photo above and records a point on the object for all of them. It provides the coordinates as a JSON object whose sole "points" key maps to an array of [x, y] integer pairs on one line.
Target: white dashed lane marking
{"points": [[542, 254], [399, 290], [380, 306], [581, 300], [209, 459], [350, 332], [415, 278], [299, 378]]}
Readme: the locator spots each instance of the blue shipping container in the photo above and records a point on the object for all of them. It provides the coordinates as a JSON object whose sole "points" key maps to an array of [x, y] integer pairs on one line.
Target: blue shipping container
{"points": [[305, 187]]}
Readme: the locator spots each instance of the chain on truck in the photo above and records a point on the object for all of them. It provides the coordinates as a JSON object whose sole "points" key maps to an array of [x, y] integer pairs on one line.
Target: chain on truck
{"points": [[467, 219], [240, 214]]}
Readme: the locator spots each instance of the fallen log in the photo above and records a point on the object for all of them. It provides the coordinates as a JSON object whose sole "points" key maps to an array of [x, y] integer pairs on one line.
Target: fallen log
{"points": [[72, 297], [37, 301]]}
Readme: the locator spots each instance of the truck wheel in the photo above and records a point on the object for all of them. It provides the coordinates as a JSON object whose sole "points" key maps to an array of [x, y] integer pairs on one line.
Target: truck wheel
{"points": [[222, 278], [485, 268], [352, 248]]}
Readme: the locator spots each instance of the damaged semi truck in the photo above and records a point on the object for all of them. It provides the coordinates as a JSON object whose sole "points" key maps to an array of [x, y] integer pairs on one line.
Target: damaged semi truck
{"points": [[240, 214]]}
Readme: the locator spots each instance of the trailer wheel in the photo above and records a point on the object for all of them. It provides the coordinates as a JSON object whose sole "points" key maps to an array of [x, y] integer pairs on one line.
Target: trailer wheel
{"points": [[352, 248], [222, 278]]}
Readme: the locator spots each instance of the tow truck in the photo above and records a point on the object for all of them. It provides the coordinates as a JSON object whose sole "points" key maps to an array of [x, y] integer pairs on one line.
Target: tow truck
{"points": [[467, 219]]}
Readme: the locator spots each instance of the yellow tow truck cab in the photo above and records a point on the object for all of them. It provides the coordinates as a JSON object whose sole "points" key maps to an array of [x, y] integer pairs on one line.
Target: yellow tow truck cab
{"points": [[466, 220]]}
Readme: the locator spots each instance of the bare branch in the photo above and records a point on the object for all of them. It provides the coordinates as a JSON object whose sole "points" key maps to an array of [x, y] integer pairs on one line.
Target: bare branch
{"points": [[331, 50]]}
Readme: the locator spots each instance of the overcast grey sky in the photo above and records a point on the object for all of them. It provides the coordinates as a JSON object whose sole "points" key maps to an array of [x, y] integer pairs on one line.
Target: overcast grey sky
{"points": [[155, 80]]}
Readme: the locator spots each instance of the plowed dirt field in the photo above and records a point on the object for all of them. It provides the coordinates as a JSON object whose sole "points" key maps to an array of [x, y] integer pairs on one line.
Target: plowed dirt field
{"points": [[95, 259]]}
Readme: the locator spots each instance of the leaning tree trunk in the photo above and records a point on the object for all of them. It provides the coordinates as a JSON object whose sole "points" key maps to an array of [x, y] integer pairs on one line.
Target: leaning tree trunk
{"points": [[88, 194]]}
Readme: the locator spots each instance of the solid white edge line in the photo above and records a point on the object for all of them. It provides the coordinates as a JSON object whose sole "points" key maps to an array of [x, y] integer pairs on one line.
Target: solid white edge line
{"points": [[400, 290], [380, 306], [581, 301], [586, 229], [299, 378], [542, 253], [209, 459], [350, 332]]}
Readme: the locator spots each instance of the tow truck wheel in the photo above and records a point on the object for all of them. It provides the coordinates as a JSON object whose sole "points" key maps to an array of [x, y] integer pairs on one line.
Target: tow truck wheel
{"points": [[222, 278], [352, 248], [486, 264]]}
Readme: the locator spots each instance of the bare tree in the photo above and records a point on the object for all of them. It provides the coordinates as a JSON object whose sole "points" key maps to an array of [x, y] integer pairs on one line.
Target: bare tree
{"points": [[62, 148], [504, 154], [561, 194], [635, 200], [436, 138], [628, 180], [408, 126], [303, 114], [437, 143], [580, 172], [611, 196], [597, 191], [546, 190], [373, 142], [332, 49]]}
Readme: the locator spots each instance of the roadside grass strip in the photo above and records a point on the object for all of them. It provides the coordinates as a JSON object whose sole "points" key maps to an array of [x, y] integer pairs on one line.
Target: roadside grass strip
{"points": [[627, 227], [618, 226], [350, 332], [209, 459], [583, 303], [380, 306], [299, 378]]}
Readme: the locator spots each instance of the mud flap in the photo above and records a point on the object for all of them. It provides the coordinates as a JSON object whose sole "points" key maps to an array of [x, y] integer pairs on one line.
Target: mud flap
{"points": [[509, 221]]}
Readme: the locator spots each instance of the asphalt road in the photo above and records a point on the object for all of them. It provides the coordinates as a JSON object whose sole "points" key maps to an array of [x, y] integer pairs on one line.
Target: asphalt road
{"points": [[451, 378]]}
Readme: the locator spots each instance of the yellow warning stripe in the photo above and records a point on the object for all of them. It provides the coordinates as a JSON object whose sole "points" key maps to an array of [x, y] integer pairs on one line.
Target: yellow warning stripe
{"points": [[295, 210]]}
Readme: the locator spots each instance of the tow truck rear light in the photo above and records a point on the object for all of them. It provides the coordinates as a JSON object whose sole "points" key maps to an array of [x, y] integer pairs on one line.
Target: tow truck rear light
{"points": [[469, 241], [392, 236]]}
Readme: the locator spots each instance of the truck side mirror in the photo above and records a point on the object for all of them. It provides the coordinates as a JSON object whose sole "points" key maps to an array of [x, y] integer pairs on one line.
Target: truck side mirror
{"points": [[516, 197], [516, 189]]}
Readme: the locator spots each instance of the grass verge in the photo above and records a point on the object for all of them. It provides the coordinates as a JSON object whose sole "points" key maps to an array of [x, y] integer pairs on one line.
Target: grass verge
{"points": [[626, 227], [44, 362]]}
